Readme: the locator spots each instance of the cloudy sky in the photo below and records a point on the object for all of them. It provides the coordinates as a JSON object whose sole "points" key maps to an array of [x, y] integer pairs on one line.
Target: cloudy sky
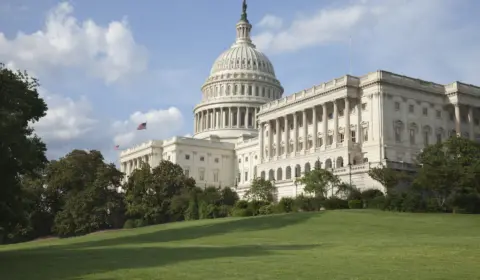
{"points": [[105, 66]]}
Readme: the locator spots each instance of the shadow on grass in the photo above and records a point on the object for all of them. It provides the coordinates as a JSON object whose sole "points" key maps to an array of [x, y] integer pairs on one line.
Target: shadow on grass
{"points": [[62, 263], [219, 227], [74, 261]]}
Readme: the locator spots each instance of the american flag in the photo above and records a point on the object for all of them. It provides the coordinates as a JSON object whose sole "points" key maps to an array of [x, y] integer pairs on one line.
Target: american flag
{"points": [[142, 126]]}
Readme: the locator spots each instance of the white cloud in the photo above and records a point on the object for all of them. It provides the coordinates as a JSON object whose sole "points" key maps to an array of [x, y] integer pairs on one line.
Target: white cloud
{"points": [[419, 38], [271, 22], [66, 119], [160, 124], [109, 52]]}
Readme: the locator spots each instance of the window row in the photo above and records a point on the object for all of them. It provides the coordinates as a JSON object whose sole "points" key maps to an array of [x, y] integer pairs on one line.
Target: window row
{"points": [[201, 174], [222, 90]]}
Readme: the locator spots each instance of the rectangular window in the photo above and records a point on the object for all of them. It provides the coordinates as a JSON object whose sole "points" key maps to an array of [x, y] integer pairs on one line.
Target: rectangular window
{"points": [[398, 134], [411, 109], [215, 176], [439, 138], [353, 136], [439, 114], [330, 139], [365, 134], [341, 137], [412, 136], [246, 176], [187, 157], [425, 111], [425, 139], [364, 106], [201, 174], [187, 172], [397, 106]]}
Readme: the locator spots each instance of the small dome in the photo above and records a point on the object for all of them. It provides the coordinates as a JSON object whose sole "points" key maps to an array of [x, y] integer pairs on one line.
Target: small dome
{"points": [[243, 57]]}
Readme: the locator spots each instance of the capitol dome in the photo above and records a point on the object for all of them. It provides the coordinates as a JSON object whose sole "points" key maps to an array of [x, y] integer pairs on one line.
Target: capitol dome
{"points": [[241, 80], [243, 57]]}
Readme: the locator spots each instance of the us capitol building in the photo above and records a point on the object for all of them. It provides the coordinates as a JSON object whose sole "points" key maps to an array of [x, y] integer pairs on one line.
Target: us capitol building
{"points": [[244, 127]]}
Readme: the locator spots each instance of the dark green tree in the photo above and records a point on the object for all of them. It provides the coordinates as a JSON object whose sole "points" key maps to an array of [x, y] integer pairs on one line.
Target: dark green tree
{"points": [[21, 151], [450, 173], [83, 192]]}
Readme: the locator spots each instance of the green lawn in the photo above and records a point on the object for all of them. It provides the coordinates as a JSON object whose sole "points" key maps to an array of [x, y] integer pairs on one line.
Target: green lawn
{"points": [[331, 245]]}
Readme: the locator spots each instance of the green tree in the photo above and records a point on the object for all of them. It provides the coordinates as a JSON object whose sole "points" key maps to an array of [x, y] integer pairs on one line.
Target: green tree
{"points": [[261, 190], [320, 182], [450, 172], [388, 177], [150, 192], [229, 196], [82, 190], [21, 151]]}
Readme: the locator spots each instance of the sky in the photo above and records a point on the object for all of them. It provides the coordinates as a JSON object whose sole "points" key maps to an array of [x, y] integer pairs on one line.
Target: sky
{"points": [[106, 66]]}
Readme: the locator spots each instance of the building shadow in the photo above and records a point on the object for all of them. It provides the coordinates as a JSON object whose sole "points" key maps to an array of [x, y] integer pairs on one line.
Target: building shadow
{"points": [[66, 262], [217, 227]]}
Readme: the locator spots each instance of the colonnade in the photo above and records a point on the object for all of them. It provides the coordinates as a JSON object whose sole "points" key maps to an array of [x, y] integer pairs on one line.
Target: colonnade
{"points": [[128, 166], [300, 141], [470, 120], [226, 117]]}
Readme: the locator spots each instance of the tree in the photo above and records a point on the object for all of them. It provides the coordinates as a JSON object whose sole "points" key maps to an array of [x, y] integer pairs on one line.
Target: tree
{"points": [[82, 190], [261, 190], [388, 177], [21, 151], [320, 182], [150, 192], [450, 172], [229, 196]]}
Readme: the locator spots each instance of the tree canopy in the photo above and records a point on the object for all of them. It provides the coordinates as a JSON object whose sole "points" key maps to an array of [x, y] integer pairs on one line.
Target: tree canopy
{"points": [[22, 153]]}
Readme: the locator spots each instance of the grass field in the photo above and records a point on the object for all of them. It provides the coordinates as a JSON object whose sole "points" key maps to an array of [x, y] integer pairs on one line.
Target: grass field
{"points": [[331, 245]]}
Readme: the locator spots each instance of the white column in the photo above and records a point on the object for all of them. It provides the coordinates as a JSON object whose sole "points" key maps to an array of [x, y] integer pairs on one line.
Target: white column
{"points": [[325, 125], [295, 132], [238, 117], [230, 120], [277, 121], [270, 139], [246, 117], [359, 123], [285, 135], [261, 137], [254, 118], [305, 128], [335, 121], [470, 123], [347, 120], [457, 120], [314, 127], [224, 118]]}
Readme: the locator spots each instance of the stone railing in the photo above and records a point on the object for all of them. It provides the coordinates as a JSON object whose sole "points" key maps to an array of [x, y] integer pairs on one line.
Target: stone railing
{"points": [[315, 90], [139, 147]]}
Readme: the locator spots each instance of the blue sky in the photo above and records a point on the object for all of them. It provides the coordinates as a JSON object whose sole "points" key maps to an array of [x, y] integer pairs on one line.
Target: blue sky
{"points": [[105, 66]]}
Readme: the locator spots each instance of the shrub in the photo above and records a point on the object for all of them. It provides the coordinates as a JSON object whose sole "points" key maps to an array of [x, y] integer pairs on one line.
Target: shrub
{"points": [[140, 223], [369, 194], [255, 205], [355, 194], [129, 224], [308, 203], [266, 209], [412, 202], [224, 211], [240, 212], [241, 204], [286, 205], [376, 203], [355, 204], [333, 203]]}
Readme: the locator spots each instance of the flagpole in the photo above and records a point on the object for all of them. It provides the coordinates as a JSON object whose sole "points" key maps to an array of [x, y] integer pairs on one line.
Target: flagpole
{"points": [[350, 56]]}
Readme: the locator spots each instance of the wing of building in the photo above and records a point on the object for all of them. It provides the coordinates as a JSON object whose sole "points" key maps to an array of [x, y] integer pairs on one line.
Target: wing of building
{"points": [[244, 128]]}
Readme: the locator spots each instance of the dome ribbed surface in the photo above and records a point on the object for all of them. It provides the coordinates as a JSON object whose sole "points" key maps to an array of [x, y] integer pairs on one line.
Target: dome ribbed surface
{"points": [[243, 57]]}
